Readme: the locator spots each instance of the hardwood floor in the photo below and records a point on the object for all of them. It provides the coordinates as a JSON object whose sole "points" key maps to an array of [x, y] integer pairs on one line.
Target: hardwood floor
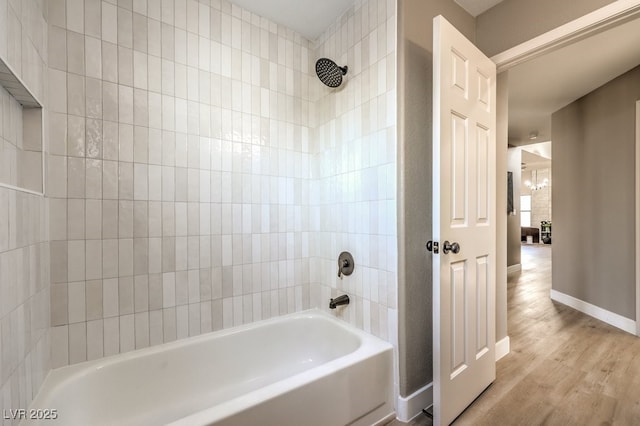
{"points": [[564, 368]]}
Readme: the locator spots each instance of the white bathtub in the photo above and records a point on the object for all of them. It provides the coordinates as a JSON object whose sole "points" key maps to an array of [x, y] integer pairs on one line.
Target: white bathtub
{"points": [[301, 369]]}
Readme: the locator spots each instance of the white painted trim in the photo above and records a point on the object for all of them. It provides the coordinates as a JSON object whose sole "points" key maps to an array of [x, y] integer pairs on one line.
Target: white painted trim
{"points": [[24, 86], [410, 407], [592, 23], [514, 268], [28, 191], [503, 347], [386, 420], [596, 312], [637, 218], [45, 149]]}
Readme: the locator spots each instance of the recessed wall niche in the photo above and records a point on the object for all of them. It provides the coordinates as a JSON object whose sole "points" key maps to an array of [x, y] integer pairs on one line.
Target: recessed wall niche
{"points": [[21, 158]]}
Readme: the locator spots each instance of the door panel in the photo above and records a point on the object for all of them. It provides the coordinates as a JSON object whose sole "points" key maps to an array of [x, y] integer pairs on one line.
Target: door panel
{"points": [[482, 167], [458, 318], [459, 196], [464, 191], [482, 314]]}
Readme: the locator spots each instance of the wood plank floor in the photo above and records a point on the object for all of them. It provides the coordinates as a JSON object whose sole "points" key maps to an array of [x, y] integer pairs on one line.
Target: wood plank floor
{"points": [[565, 368]]}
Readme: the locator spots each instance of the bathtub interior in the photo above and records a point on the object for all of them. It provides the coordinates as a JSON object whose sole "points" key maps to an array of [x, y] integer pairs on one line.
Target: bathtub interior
{"points": [[189, 376]]}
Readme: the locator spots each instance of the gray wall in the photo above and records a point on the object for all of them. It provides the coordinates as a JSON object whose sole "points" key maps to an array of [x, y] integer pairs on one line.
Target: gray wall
{"points": [[502, 27], [593, 196], [502, 136], [515, 21], [513, 221], [415, 65]]}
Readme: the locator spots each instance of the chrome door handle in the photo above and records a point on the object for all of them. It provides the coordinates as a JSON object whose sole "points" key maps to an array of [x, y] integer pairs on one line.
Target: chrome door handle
{"points": [[451, 247]]}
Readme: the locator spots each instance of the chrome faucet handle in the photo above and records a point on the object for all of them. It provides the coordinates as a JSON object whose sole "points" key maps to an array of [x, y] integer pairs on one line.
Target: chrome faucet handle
{"points": [[345, 264]]}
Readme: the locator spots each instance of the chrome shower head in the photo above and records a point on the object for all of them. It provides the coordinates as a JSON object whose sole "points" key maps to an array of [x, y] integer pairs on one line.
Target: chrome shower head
{"points": [[329, 73]]}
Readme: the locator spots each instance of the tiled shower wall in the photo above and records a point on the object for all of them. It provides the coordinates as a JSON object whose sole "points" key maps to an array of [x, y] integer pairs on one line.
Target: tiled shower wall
{"points": [[10, 137], [354, 169], [179, 175], [24, 248], [541, 199], [202, 177]]}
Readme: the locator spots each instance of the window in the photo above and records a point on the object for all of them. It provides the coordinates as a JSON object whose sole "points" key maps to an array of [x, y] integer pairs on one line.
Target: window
{"points": [[525, 210]]}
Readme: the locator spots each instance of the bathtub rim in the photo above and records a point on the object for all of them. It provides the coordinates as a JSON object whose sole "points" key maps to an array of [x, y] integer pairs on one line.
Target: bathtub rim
{"points": [[368, 346]]}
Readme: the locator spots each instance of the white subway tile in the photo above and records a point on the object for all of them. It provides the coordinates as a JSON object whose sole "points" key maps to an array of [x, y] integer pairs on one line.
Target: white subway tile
{"points": [[111, 336], [75, 15], [109, 22], [94, 304], [76, 260], [156, 328], [93, 259], [127, 333], [59, 346], [77, 342], [95, 339], [141, 330], [110, 298], [75, 53], [169, 324], [93, 18], [168, 290], [77, 310]]}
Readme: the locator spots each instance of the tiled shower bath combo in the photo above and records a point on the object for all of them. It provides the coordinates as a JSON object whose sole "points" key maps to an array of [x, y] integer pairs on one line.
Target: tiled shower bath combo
{"points": [[198, 176]]}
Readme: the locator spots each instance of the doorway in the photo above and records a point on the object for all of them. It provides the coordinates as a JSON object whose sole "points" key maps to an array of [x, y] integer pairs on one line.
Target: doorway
{"points": [[535, 194], [551, 68], [536, 186]]}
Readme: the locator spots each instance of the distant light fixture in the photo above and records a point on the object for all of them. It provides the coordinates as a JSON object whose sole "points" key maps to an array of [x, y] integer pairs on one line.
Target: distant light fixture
{"points": [[533, 135], [536, 186]]}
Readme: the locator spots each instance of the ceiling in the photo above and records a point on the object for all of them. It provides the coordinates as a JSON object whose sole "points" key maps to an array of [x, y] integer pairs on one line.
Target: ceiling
{"points": [[311, 18], [531, 161], [536, 156], [476, 7], [307, 17], [539, 87]]}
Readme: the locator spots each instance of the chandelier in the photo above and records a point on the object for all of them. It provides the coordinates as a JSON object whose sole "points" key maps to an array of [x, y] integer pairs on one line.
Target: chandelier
{"points": [[536, 186]]}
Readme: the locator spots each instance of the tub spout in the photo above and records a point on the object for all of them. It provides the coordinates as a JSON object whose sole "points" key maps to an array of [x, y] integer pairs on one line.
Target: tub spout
{"points": [[340, 300]]}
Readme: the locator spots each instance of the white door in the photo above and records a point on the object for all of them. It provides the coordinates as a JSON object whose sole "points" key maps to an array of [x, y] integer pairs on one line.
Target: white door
{"points": [[464, 221]]}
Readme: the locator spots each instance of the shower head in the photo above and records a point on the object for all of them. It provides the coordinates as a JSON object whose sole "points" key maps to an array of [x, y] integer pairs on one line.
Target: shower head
{"points": [[329, 73]]}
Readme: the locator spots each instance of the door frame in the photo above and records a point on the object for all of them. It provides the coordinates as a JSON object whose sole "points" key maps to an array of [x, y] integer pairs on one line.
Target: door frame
{"points": [[600, 20], [593, 23], [638, 218]]}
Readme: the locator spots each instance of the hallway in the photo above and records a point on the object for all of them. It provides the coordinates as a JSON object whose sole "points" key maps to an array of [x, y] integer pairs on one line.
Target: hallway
{"points": [[564, 368]]}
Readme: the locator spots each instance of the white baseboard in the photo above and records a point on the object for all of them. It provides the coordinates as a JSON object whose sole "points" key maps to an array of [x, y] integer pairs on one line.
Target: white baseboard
{"points": [[385, 421], [503, 347], [609, 317], [411, 406], [514, 268]]}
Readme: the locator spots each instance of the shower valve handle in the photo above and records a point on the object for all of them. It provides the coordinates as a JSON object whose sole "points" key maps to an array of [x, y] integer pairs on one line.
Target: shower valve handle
{"points": [[345, 264]]}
